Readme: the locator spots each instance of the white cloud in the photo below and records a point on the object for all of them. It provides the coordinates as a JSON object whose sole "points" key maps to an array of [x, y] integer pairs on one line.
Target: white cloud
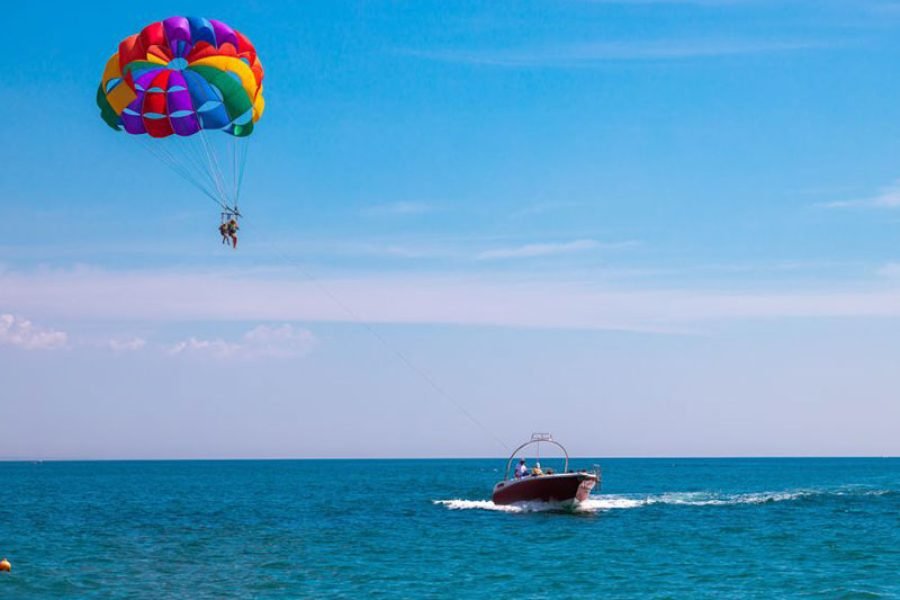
{"points": [[217, 348], [126, 345], [283, 341], [16, 331], [545, 249], [263, 341], [887, 197]]}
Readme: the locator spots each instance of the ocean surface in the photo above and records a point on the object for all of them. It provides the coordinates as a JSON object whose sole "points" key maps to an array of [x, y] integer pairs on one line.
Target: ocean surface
{"points": [[660, 528]]}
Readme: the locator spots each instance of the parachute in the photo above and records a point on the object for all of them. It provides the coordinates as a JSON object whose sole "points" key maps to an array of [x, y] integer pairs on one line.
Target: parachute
{"points": [[178, 86]]}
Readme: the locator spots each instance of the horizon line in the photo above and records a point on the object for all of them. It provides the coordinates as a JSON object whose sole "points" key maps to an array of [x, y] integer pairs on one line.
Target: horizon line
{"points": [[398, 458]]}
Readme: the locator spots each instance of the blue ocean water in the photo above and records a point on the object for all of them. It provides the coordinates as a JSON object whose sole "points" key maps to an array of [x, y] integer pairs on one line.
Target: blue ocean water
{"points": [[660, 528]]}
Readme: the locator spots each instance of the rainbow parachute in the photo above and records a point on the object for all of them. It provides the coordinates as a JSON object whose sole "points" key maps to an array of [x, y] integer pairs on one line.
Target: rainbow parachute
{"points": [[183, 75], [188, 76]]}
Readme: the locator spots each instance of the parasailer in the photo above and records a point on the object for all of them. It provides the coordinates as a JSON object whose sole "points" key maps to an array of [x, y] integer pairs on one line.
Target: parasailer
{"points": [[232, 231], [191, 89], [229, 227]]}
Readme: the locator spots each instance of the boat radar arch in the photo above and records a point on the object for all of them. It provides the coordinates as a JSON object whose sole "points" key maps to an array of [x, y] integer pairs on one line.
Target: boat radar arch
{"points": [[537, 438]]}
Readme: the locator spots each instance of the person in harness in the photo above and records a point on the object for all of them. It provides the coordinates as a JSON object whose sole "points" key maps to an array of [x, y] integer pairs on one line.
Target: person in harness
{"points": [[232, 229], [228, 228]]}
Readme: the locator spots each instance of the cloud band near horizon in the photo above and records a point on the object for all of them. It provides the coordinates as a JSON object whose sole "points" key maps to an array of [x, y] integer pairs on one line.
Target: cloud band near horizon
{"points": [[166, 296]]}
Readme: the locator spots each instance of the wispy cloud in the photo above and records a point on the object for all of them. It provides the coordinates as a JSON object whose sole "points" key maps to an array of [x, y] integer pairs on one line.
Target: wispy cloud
{"points": [[887, 197], [131, 344], [398, 208], [589, 54], [461, 250], [546, 249], [264, 341], [400, 250], [412, 299], [284, 341], [20, 332], [217, 348], [891, 270]]}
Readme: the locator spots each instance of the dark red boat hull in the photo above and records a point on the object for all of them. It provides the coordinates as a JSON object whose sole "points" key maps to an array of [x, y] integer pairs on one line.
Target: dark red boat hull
{"points": [[563, 488]]}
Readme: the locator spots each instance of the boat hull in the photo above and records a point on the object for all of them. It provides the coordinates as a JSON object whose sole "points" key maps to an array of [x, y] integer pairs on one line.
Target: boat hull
{"points": [[567, 488]]}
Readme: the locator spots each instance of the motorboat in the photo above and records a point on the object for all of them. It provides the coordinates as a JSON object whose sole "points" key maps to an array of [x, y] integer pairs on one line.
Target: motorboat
{"points": [[567, 488]]}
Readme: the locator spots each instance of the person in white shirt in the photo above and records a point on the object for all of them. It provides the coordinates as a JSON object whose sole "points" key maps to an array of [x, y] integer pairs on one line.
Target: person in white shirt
{"points": [[522, 469]]}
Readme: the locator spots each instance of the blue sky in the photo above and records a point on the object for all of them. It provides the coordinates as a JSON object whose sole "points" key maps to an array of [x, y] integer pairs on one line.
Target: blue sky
{"points": [[655, 227]]}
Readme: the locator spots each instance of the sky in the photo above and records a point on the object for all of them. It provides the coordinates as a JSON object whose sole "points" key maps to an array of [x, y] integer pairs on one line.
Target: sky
{"points": [[650, 227]]}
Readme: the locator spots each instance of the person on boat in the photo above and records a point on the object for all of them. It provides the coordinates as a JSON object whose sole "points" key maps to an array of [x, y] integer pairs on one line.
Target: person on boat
{"points": [[232, 231], [536, 470], [522, 469]]}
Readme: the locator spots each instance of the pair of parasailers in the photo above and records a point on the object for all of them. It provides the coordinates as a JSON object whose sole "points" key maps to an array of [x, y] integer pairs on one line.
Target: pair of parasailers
{"points": [[229, 230]]}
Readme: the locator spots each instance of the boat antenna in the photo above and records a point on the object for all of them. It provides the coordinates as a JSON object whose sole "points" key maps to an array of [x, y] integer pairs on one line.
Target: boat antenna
{"points": [[538, 438]]}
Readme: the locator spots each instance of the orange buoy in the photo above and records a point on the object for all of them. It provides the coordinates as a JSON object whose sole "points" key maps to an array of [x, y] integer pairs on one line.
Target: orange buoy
{"points": [[5, 566]]}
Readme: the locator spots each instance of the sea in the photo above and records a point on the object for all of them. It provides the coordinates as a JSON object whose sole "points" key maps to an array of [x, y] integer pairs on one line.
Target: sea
{"points": [[658, 528]]}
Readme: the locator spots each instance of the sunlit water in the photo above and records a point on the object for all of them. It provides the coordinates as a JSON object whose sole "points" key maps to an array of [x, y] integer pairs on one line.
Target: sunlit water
{"points": [[666, 528]]}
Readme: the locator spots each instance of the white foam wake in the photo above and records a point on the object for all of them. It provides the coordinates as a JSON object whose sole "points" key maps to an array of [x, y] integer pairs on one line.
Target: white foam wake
{"points": [[613, 501], [605, 502], [460, 504]]}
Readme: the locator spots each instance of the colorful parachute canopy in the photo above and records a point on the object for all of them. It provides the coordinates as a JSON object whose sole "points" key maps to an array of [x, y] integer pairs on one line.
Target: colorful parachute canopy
{"points": [[183, 75]]}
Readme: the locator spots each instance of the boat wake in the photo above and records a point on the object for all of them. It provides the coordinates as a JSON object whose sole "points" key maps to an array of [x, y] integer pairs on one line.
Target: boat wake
{"points": [[459, 504], [607, 502]]}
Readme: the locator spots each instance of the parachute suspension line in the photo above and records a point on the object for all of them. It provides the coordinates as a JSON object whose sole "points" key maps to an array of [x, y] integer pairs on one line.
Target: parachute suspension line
{"points": [[200, 163], [207, 167], [216, 170], [190, 163], [167, 159], [215, 165], [234, 188], [244, 150], [220, 172], [401, 356], [194, 153], [196, 176], [199, 157]]}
